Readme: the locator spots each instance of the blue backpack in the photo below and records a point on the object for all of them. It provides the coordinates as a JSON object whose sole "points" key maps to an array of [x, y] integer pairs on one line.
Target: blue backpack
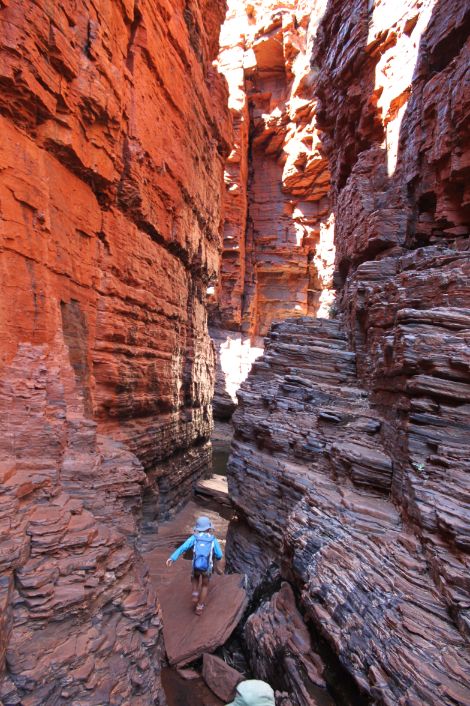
{"points": [[202, 551]]}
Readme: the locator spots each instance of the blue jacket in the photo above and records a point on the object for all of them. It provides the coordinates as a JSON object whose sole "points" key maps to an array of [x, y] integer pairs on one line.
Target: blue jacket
{"points": [[190, 543]]}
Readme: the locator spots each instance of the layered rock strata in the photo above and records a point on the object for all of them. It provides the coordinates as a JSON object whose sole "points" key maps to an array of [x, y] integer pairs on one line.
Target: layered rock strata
{"points": [[110, 214], [400, 189], [355, 442], [277, 257], [114, 133], [79, 618], [311, 448]]}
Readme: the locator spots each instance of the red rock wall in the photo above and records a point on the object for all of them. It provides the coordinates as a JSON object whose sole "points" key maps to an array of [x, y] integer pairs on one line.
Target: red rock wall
{"points": [[114, 132], [276, 179], [277, 257], [358, 458], [110, 208], [402, 213]]}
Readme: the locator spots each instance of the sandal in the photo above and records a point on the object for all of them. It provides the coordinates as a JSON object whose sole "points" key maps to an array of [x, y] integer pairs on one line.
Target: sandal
{"points": [[195, 597], [199, 608]]}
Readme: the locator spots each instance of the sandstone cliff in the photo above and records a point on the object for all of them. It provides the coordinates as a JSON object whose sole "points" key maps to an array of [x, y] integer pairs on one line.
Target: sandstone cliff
{"points": [[114, 132], [277, 179], [277, 257], [353, 435]]}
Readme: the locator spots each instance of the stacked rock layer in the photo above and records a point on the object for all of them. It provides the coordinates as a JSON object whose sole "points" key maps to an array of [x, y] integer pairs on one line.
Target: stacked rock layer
{"points": [[80, 620], [114, 134], [277, 180], [277, 257], [353, 435], [312, 450]]}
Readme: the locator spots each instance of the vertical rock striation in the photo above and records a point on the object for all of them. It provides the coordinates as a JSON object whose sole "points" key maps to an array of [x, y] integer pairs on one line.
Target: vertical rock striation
{"points": [[282, 181], [114, 133], [353, 434], [277, 257]]}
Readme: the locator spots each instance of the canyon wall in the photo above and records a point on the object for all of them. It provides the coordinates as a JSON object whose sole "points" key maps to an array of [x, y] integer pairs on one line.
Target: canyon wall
{"points": [[353, 434], [114, 134], [277, 257]]}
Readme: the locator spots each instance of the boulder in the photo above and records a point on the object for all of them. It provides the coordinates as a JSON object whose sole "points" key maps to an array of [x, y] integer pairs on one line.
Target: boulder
{"points": [[281, 650], [220, 677]]}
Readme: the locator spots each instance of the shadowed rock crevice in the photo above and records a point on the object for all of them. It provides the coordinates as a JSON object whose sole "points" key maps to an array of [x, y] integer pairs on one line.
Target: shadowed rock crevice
{"points": [[75, 331]]}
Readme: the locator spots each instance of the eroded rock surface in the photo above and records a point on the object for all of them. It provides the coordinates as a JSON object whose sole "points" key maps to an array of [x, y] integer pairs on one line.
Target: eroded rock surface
{"points": [[114, 133], [310, 447], [402, 215], [187, 635], [354, 437]]}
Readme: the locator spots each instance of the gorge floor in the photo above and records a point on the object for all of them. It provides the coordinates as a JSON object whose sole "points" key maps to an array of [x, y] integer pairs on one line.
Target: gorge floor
{"points": [[180, 691], [174, 590]]}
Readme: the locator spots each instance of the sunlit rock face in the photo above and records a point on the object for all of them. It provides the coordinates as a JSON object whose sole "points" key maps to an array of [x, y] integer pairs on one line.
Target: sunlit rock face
{"points": [[114, 134], [235, 354], [278, 235], [353, 434], [112, 212], [278, 253]]}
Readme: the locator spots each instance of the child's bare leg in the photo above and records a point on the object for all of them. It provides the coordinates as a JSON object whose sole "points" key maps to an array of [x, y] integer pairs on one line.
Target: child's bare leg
{"points": [[204, 589], [195, 593]]}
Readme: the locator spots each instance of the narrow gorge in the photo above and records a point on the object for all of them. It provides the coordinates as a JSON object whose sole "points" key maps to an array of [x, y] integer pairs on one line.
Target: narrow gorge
{"points": [[255, 213]]}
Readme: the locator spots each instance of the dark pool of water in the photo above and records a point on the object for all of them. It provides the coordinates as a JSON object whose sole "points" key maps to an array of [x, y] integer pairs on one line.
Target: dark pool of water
{"points": [[219, 461]]}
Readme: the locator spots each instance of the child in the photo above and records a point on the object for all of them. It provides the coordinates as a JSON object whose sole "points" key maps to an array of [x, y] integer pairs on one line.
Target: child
{"points": [[205, 545]]}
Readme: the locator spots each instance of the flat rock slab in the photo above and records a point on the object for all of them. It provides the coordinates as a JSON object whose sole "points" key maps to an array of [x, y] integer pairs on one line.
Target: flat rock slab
{"points": [[215, 488], [187, 635]]}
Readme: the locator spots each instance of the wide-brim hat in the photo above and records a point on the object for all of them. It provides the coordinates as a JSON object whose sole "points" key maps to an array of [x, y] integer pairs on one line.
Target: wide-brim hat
{"points": [[203, 524]]}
